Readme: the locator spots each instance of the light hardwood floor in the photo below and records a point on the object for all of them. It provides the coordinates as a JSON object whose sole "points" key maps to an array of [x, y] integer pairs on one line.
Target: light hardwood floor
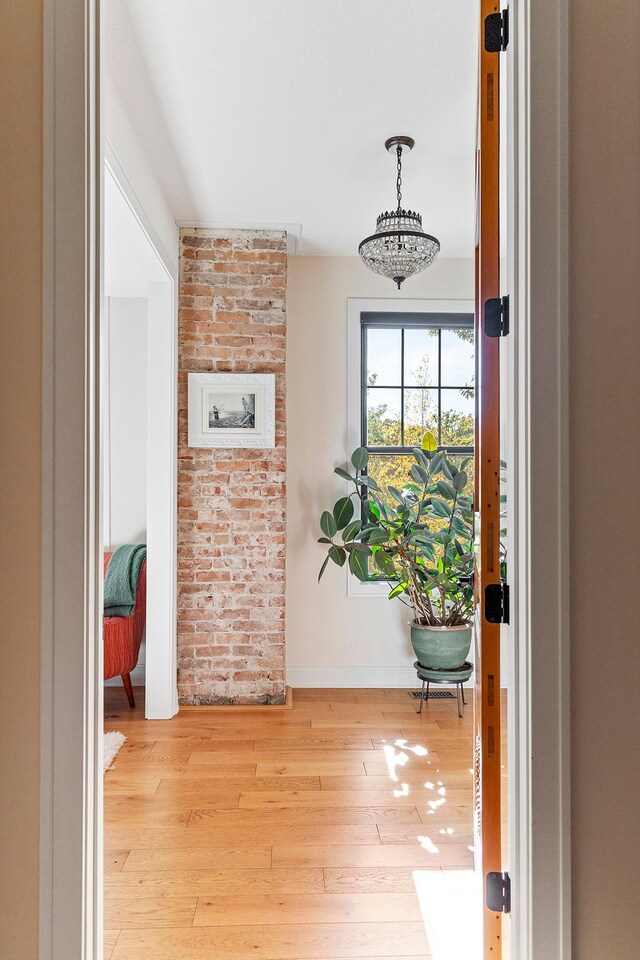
{"points": [[283, 836]]}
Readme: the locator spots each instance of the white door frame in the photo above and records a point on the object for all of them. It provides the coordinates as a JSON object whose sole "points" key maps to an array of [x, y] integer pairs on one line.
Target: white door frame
{"points": [[71, 813], [161, 687], [538, 281], [161, 668]]}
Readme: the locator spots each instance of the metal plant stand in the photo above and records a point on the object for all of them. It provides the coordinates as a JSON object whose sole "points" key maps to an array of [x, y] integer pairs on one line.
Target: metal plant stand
{"points": [[458, 676]]}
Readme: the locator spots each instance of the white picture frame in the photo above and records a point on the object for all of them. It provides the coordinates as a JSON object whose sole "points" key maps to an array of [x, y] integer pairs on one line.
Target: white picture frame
{"points": [[227, 410]]}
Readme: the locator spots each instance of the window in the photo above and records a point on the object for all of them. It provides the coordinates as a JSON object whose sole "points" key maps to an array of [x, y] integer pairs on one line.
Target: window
{"points": [[386, 337], [416, 374]]}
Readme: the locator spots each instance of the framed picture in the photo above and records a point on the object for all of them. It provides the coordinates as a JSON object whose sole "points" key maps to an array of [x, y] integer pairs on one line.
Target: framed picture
{"points": [[232, 410]]}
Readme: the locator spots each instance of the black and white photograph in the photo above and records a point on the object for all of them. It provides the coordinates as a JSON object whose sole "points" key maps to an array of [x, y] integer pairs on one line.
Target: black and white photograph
{"points": [[227, 410], [232, 410]]}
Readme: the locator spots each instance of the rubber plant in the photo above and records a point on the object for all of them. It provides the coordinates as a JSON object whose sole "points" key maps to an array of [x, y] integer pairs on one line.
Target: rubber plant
{"points": [[419, 538]]}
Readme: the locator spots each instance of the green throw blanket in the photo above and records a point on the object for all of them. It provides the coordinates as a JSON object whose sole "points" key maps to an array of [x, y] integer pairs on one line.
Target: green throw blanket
{"points": [[121, 581]]}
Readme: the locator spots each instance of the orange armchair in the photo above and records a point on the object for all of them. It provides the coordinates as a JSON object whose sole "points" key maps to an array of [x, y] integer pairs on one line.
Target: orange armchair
{"points": [[123, 636]]}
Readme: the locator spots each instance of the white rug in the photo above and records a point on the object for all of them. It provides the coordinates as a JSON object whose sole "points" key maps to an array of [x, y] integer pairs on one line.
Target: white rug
{"points": [[112, 743]]}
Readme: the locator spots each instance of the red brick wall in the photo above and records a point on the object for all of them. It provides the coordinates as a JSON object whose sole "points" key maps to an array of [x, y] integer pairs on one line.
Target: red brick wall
{"points": [[231, 503]]}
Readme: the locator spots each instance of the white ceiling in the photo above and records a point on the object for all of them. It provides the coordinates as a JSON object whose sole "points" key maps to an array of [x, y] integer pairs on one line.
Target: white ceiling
{"points": [[276, 111], [130, 262]]}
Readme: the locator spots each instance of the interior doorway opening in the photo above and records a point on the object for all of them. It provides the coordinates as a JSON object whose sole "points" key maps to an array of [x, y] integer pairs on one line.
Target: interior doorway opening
{"points": [[392, 788], [79, 787], [138, 390]]}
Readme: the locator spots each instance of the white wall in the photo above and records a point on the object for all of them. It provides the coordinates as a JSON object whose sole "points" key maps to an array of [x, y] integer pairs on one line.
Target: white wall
{"points": [[129, 163], [126, 422], [333, 639], [125, 429]]}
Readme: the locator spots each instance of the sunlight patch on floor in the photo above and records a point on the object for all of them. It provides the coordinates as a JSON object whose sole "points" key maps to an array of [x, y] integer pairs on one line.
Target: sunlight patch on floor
{"points": [[451, 906]]}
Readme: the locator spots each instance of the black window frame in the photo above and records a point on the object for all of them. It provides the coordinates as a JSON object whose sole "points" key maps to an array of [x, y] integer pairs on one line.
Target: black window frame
{"points": [[418, 321]]}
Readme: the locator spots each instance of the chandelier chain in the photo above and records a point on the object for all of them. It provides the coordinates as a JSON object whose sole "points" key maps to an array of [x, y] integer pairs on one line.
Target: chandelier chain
{"points": [[399, 177]]}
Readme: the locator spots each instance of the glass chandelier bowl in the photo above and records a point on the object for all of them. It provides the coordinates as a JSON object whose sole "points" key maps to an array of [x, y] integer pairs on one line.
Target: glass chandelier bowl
{"points": [[399, 248]]}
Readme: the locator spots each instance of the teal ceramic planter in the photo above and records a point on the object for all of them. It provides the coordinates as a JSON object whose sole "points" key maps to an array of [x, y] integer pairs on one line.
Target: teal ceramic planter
{"points": [[441, 648]]}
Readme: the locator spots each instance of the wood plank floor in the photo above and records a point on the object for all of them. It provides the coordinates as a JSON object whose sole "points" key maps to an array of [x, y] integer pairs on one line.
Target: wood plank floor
{"points": [[283, 837]]}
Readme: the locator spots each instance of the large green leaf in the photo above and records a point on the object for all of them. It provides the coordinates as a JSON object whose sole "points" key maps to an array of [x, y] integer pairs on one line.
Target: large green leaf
{"points": [[359, 565], [328, 524], [436, 463], [343, 512], [323, 568], [419, 474], [460, 481], [343, 473], [397, 590], [446, 490], [427, 549], [440, 508], [384, 563], [396, 493], [367, 528], [360, 458], [378, 535], [368, 482], [338, 555], [362, 548], [352, 530]]}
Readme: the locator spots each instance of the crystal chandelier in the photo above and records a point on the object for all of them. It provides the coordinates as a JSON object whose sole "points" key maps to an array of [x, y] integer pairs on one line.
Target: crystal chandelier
{"points": [[399, 247]]}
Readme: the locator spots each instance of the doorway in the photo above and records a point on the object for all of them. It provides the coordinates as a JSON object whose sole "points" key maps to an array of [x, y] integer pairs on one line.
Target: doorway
{"points": [[89, 874], [138, 411]]}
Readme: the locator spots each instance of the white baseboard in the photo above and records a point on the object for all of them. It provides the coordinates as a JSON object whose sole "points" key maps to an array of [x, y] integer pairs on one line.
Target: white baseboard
{"points": [[137, 677], [337, 677]]}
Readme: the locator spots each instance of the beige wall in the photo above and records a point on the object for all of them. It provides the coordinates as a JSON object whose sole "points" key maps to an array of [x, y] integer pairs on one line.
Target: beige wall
{"points": [[20, 347], [330, 636], [605, 460]]}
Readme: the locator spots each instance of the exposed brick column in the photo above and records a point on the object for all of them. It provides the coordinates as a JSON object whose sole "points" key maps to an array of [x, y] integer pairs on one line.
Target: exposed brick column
{"points": [[231, 503]]}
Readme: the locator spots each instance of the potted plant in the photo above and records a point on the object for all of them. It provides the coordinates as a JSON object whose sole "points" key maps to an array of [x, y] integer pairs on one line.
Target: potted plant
{"points": [[420, 539]]}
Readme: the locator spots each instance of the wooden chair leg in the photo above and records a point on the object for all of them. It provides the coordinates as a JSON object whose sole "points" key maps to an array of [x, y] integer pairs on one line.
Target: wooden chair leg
{"points": [[128, 689]]}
